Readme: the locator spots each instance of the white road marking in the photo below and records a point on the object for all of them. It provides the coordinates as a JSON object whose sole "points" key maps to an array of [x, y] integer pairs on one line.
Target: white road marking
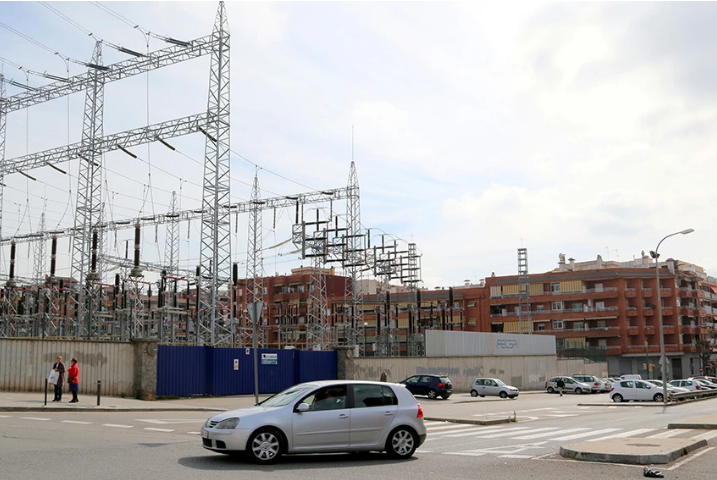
{"points": [[669, 433], [562, 416], [631, 433], [588, 434], [76, 421], [690, 458], [193, 433], [449, 433], [476, 431], [516, 456], [551, 433], [37, 419], [451, 427], [170, 421], [5, 416], [158, 429], [466, 454], [113, 425], [508, 432], [705, 436]]}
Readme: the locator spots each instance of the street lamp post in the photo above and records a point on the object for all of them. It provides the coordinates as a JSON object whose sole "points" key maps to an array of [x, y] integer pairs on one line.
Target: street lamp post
{"points": [[663, 361]]}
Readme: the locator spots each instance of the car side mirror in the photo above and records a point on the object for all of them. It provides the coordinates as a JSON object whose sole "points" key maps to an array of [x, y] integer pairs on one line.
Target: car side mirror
{"points": [[303, 407]]}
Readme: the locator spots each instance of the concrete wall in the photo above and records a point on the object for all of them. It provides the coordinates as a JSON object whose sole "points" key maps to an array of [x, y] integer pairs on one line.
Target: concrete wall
{"points": [[25, 364], [523, 372], [445, 343]]}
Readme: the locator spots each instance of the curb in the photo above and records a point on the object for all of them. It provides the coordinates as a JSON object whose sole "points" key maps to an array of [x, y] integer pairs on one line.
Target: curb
{"points": [[497, 421], [693, 426], [632, 459]]}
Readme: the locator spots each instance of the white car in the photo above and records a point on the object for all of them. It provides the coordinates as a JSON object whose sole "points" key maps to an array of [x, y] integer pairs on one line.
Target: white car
{"points": [[493, 387], [691, 385], [319, 417], [636, 390], [671, 390]]}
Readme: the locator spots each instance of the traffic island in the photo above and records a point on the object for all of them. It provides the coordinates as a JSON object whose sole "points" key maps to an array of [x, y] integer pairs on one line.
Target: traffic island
{"points": [[708, 422], [634, 451]]}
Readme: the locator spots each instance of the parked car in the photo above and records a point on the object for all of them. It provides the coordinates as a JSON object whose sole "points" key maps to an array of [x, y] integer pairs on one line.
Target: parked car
{"points": [[594, 382], [606, 385], [670, 389], [635, 390], [431, 386], [323, 416], [571, 385], [492, 387], [690, 385], [707, 384], [631, 377]]}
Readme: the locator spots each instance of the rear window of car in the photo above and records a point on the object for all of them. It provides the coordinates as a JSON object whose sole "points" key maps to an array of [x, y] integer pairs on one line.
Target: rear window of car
{"points": [[444, 379]]}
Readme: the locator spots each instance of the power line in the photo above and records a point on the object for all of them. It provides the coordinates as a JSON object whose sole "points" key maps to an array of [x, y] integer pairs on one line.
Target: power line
{"points": [[39, 44]]}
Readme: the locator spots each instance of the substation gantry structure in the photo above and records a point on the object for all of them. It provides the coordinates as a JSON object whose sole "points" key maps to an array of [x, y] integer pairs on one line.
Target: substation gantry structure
{"points": [[83, 307]]}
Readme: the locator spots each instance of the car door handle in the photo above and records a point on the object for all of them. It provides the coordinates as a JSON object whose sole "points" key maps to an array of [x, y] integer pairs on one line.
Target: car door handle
{"points": [[343, 415], [388, 414]]}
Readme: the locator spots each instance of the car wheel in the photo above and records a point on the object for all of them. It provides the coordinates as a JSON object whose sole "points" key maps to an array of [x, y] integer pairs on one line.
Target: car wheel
{"points": [[445, 397], [551, 390], [474, 393], [658, 397], [578, 391], [503, 395], [617, 398], [432, 393], [482, 396], [401, 443], [265, 446]]}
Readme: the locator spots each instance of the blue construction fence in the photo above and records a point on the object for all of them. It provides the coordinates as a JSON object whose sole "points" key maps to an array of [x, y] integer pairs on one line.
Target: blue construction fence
{"points": [[186, 371]]}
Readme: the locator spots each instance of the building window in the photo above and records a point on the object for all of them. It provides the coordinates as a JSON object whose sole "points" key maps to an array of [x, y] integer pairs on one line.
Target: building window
{"points": [[540, 327], [554, 287], [557, 306], [472, 321], [471, 304], [539, 308], [557, 324], [578, 326]]}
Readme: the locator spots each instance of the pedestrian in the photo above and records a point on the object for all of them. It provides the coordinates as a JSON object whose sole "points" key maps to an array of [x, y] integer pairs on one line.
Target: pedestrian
{"points": [[384, 377], [561, 385], [73, 378], [59, 367]]}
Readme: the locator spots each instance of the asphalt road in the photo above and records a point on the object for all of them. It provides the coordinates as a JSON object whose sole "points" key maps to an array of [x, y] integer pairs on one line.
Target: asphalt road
{"points": [[162, 445]]}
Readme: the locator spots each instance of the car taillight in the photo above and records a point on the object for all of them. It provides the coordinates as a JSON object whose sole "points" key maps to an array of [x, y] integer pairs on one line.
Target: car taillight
{"points": [[420, 411], [697, 387], [596, 384], [612, 388], [440, 385]]}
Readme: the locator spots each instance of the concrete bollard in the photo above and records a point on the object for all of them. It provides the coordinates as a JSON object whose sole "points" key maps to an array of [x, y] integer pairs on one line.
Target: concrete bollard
{"points": [[99, 388]]}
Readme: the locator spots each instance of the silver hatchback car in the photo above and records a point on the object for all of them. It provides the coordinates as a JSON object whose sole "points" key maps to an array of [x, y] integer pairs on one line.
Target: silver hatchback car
{"points": [[319, 417]]}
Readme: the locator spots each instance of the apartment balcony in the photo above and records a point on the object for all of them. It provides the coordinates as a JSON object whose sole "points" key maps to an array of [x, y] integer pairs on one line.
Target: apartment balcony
{"points": [[665, 292], [631, 311], [691, 293], [613, 350], [564, 313], [690, 349], [598, 332], [649, 330], [646, 292], [630, 292], [668, 329], [668, 311], [691, 310], [633, 331], [648, 312]]}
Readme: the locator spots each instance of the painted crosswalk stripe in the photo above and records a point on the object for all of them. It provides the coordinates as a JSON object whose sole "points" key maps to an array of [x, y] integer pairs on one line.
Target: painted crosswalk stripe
{"points": [[476, 431], [193, 433], [114, 425], [550, 433], [588, 434], [451, 427], [36, 419], [466, 454], [158, 429], [705, 436], [631, 433], [517, 456], [507, 432], [77, 422], [670, 433]]}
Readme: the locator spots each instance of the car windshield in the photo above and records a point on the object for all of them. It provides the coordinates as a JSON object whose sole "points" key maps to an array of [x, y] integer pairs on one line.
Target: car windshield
{"points": [[287, 396], [499, 382]]}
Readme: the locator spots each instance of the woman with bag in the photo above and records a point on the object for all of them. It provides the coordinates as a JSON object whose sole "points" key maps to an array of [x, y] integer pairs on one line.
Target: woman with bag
{"points": [[59, 367], [73, 378]]}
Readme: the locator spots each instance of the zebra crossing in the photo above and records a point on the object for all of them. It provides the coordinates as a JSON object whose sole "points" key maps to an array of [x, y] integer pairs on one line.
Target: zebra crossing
{"points": [[531, 442]]}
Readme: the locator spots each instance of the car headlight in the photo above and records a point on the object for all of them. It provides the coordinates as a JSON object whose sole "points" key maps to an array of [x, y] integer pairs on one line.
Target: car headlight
{"points": [[228, 424]]}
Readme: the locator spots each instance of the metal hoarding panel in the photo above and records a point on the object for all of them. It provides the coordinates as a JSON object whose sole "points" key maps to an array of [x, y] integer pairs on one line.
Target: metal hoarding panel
{"points": [[456, 344]]}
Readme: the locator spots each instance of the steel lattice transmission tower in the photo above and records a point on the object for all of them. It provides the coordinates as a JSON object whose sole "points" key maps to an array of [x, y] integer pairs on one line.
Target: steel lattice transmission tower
{"points": [[39, 250], [3, 119], [171, 245], [255, 261], [215, 261], [524, 320], [355, 256], [89, 180]]}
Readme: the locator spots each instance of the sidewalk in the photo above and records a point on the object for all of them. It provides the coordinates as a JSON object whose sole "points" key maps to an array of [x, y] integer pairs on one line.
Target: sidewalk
{"points": [[640, 451]]}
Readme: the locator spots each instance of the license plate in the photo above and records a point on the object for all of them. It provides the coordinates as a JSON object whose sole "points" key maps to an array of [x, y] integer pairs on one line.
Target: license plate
{"points": [[205, 434]]}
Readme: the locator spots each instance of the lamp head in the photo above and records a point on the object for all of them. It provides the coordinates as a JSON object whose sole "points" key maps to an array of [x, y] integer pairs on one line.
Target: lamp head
{"points": [[654, 255], [689, 230]]}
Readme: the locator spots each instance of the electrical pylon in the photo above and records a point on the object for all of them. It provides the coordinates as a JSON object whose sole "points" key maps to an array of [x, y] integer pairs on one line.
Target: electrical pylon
{"points": [[255, 265], [354, 258], [215, 259]]}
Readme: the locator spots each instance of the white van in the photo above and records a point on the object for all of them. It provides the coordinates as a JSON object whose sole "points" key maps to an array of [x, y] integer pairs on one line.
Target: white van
{"points": [[631, 377]]}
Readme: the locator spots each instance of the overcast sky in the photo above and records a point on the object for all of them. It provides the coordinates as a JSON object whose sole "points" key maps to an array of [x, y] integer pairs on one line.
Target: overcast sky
{"points": [[480, 128]]}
